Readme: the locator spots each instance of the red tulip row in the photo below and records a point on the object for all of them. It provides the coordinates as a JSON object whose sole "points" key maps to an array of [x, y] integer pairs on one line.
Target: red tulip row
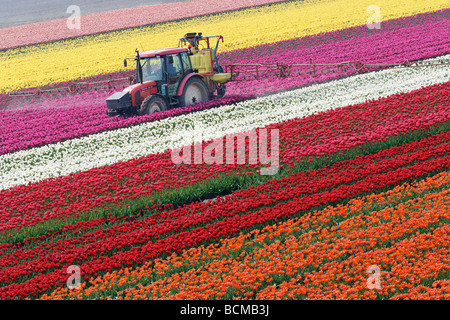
{"points": [[190, 225], [317, 135], [318, 173], [281, 190], [265, 262]]}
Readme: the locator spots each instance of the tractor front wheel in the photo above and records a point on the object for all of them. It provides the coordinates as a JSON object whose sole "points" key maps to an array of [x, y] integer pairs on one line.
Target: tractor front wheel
{"points": [[153, 104], [194, 91]]}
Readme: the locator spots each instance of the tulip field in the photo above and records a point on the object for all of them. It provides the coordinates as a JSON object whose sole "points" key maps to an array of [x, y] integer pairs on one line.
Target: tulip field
{"points": [[359, 162]]}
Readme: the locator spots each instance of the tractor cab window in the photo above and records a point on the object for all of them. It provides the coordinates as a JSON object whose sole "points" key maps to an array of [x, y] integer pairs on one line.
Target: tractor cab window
{"points": [[152, 69], [174, 72], [186, 62], [174, 67]]}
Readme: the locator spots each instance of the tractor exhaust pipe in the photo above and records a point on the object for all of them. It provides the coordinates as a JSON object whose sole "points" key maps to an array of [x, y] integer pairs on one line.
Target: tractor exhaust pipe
{"points": [[139, 67]]}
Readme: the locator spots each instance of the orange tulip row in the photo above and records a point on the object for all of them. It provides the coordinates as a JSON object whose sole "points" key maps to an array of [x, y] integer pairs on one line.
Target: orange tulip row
{"points": [[403, 233]]}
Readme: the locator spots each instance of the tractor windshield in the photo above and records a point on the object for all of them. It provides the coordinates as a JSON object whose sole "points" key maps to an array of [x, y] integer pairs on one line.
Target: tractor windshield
{"points": [[152, 68]]}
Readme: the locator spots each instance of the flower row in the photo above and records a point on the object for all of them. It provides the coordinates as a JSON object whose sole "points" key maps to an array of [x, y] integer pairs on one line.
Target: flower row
{"points": [[47, 31], [190, 225], [294, 185], [110, 147], [407, 29], [321, 134], [83, 114], [28, 66], [282, 261]]}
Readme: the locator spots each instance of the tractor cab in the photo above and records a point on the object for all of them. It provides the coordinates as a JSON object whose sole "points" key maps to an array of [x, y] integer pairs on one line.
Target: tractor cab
{"points": [[172, 77], [152, 69], [166, 67]]}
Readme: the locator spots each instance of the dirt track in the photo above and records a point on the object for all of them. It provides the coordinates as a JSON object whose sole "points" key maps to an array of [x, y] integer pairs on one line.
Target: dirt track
{"points": [[19, 12]]}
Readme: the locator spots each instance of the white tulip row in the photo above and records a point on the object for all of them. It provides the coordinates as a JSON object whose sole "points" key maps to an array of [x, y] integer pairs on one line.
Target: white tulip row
{"points": [[109, 147]]}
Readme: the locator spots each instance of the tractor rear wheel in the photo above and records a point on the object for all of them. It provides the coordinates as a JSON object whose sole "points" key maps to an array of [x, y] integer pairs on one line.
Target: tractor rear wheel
{"points": [[194, 91], [153, 104]]}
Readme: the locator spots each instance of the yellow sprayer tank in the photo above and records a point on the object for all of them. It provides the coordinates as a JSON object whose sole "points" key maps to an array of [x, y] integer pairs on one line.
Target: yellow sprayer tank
{"points": [[201, 60]]}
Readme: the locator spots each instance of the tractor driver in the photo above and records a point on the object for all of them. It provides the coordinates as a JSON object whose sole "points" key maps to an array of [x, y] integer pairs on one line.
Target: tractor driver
{"points": [[152, 70], [155, 71]]}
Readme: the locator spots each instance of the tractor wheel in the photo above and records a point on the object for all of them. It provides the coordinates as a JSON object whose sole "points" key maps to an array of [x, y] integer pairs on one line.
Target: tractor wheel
{"points": [[194, 91], [153, 104]]}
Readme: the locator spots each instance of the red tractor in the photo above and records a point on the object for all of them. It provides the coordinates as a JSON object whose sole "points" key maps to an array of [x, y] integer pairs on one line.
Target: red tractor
{"points": [[172, 77]]}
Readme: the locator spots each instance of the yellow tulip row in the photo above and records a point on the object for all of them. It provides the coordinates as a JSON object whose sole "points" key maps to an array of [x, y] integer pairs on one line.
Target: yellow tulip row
{"points": [[103, 53]]}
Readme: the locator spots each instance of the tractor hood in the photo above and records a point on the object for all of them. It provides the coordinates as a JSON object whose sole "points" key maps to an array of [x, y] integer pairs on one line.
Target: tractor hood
{"points": [[140, 87]]}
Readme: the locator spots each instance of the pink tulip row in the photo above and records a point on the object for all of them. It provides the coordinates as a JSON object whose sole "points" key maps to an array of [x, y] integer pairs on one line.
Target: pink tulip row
{"points": [[118, 19], [390, 46], [25, 129], [410, 23], [396, 41], [62, 89]]}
